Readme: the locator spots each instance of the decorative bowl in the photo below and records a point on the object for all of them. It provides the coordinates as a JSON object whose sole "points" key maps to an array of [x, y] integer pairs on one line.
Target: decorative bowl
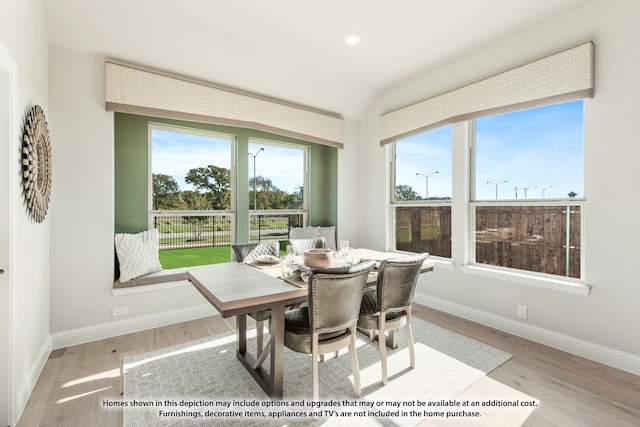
{"points": [[317, 257]]}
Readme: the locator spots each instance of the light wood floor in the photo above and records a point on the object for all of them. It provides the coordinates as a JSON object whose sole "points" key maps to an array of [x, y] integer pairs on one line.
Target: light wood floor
{"points": [[572, 391]]}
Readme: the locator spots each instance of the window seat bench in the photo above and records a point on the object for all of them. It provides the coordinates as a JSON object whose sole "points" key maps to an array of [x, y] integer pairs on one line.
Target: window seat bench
{"points": [[163, 276]]}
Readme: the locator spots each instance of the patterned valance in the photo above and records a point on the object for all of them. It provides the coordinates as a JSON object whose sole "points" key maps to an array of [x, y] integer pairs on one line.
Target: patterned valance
{"points": [[133, 90], [564, 76]]}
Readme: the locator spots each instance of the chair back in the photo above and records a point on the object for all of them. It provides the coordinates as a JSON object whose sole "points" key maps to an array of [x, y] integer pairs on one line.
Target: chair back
{"points": [[248, 252], [397, 279], [335, 295], [298, 246]]}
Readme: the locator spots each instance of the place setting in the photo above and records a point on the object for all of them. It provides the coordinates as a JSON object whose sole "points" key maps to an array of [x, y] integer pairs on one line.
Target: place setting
{"points": [[265, 261]]}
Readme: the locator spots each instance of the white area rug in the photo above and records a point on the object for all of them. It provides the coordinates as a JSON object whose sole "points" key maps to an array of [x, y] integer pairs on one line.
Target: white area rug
{"points": [[201, 383]]}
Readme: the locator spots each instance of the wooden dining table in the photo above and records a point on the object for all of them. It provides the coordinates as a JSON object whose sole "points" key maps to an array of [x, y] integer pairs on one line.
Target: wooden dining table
{"points": [[238, 289]]}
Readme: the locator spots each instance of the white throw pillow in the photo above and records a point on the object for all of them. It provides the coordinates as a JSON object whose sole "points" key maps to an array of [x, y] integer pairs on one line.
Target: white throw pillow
{"points": [[304, 233], [329, 234], [137, 254]]}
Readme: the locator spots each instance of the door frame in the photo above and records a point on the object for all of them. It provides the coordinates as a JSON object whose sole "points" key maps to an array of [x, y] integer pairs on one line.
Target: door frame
{"points": [[9, 68]]}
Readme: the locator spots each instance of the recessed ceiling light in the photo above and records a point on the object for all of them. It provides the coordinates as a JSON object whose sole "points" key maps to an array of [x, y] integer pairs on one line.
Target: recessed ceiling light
{"points": [[352, 40]]}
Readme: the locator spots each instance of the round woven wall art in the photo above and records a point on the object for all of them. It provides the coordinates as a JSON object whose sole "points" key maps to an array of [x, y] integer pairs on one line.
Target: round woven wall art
{"points": [[36, 164]]}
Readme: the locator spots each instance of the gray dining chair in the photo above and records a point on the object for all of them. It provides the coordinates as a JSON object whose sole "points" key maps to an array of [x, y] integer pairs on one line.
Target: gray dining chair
{"points": [[298, 246], [388, 308], [328, 323], [249, 252]]}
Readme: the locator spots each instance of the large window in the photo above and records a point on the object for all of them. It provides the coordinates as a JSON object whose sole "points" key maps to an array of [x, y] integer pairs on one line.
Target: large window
{"points": [[524, 195], [527, 189], [277, 189], [421, 192], [191, 195]]}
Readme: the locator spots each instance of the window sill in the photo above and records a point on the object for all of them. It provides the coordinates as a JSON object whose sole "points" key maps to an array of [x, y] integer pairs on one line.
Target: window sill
{"points": [[443, 263], [561, 285]]}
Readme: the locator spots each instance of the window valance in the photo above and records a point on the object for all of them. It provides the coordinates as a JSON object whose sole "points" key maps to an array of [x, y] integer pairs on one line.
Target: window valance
{"points": [[133, 90], [564, 76]]}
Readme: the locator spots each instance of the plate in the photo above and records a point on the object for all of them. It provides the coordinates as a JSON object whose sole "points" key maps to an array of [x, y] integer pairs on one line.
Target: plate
{"points": [[301, 275], [268, 259]]}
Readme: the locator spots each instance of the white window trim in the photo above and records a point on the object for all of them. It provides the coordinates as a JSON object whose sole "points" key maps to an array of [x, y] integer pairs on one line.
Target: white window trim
{"points": [[529, 278], [524, 277]]}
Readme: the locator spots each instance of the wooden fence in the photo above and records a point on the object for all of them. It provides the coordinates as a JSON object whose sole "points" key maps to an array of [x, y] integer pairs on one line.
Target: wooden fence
{"points": [[424, 229], [532, 238]]}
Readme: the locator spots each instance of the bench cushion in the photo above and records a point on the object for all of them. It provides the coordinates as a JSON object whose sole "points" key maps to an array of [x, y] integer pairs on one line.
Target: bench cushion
{"points": [[164, 276]]}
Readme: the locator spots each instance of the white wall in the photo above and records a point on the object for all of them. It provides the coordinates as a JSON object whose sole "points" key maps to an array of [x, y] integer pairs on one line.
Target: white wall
{"points": [[82, 215], [604, 324], [23, 36]]}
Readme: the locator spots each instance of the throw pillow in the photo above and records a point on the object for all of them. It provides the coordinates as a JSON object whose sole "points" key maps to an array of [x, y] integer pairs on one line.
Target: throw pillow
{"points": [[137, 254], [329, 234], [303, 233]]}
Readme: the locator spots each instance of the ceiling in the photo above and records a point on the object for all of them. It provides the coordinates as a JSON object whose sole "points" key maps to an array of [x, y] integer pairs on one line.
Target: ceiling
{"points": [[293, 50]]}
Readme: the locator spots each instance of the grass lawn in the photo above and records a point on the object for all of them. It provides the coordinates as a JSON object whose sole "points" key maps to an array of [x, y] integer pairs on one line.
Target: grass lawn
{"points": [[174, 258]]}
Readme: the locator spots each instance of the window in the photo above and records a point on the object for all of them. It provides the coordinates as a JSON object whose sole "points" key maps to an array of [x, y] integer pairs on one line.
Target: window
{"points": [[277, 189], [421, 192], [527, 189], [191, 195]]}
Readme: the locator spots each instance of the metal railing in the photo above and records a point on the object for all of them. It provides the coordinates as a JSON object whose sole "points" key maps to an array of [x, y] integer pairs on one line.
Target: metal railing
{"points": [[193, 229], [197, 229], [274, 225]]}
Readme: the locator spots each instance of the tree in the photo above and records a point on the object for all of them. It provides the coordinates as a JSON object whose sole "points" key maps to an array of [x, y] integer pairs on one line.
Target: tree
{"points": [[271, 197], [406, 192], [195, 201], [216, 181], [166, 193]]}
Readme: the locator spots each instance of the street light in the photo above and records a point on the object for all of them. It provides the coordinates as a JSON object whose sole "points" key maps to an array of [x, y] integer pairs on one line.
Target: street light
{"points": [[427, 182], [544, 189], [254, 176], [496, 184]]}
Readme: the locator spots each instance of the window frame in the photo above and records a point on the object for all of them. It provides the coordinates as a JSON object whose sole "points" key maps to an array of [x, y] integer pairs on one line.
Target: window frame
{"points": [[305, 160], [474, 203], [395, 203], [197, 132], [463, 220]]}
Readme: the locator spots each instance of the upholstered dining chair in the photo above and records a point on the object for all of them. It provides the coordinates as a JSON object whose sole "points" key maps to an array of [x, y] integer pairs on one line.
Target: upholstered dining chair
{"points": [[249, 252], [389, 307], [298, 246], [328, 323]]}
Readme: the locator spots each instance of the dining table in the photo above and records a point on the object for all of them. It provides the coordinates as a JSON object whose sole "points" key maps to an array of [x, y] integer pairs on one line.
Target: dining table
{"points": [[238, 289]]}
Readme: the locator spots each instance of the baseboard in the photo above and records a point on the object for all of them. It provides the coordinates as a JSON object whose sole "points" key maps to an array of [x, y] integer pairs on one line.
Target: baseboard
{"points": [[126, 326], [23, 393], [608, 356]]}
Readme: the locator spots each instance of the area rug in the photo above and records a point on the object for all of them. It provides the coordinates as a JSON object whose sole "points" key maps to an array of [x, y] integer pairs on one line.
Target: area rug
{"points": [[201, 383]]}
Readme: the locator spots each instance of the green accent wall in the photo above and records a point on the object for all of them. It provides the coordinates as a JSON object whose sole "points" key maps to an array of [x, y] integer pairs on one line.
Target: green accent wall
{"points": [[131, 152]]}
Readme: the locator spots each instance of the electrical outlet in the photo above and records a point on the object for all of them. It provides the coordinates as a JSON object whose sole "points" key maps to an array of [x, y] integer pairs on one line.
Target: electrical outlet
{"points": [[523, 311], [119, 311]]}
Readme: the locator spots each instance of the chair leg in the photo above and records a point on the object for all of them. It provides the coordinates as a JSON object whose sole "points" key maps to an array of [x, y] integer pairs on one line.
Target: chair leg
{"points": [[382, 344], [354, 363], [409, 333], [314, 365]]}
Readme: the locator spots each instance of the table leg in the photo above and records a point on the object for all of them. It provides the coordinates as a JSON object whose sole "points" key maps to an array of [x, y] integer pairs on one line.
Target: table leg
{"points": [[277, 351], [241, 333], [271, 381]]}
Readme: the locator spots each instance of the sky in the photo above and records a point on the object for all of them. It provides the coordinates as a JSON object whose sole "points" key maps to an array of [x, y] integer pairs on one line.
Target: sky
{"points": [[174, 153], [537, 151], [532, 150]]}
